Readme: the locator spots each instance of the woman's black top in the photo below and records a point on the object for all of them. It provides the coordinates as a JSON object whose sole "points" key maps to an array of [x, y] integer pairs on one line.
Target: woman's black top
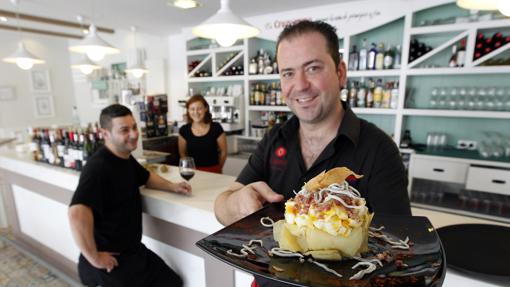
{"points": [[204, 149]]}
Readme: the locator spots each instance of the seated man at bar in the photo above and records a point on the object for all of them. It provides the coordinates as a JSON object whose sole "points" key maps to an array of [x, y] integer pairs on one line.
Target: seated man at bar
{"points": [[323, 134], [105, 213]]}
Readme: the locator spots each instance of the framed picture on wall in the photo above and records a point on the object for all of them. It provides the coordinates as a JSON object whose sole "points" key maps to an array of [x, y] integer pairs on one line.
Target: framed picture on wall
{"points": [[40, 81], [43, 106]]}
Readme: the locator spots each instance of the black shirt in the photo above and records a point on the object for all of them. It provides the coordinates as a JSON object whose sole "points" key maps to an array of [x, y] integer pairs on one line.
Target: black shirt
{"points": [[109, 185], [359, 145], [204, 149]]}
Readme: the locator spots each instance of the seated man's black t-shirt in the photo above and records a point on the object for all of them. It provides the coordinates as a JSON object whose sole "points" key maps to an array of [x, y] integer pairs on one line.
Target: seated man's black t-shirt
{"points": [[204, 149], [109, 185]]}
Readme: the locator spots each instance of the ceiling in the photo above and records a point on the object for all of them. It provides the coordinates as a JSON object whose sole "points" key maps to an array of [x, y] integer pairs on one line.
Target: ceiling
{"points": [[150, 16]]}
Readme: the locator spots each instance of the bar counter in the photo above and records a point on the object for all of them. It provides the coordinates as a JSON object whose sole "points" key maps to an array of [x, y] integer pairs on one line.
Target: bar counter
{"points": [[37, 195]]}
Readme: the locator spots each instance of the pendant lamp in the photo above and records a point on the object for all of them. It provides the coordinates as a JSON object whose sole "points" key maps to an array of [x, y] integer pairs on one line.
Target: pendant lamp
{"points": [[504, 7], [95, 47], [22, 57], [138, 69], [86, 66], [225, 27], [478, 4], [186, 4]]}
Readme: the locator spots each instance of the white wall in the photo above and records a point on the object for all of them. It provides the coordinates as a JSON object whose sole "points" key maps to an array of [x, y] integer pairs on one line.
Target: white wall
{"points": [[18, 113], [177, 72], [156, 54], [69, 87]]}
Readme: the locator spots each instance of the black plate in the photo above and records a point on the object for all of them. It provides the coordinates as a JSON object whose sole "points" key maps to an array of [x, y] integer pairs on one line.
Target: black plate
{"points": [[479, 250], [425, 259]]}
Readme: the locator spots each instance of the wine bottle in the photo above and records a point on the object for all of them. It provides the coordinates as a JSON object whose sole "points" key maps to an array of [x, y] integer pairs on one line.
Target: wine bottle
{"points": [[398, 58], [353, 59], [453, 59], [363, 55], [379, 58], [371, 57], [389, 55], [461, 54]]}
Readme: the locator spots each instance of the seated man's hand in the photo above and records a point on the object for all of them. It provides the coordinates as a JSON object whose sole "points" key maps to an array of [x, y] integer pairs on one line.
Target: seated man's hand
{"points": [[181, 187], [104, 260], [249, 199]]}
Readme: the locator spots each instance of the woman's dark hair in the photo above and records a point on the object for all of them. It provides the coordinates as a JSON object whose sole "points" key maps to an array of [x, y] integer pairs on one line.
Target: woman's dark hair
{"points": [[198, 98], [110, 112], [307, 26]]}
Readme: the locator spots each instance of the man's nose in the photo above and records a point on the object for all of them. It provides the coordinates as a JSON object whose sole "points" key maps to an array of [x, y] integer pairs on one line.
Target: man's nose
{"points": [[301, 81]]}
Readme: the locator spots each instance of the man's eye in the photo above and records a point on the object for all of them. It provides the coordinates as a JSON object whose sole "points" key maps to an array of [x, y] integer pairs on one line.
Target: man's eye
{"points": [[313, 69], [287, 74]]}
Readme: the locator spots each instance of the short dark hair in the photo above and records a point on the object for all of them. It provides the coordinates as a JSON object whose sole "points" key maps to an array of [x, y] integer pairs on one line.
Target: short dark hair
{"points": [[307, 26], [110, 112], [199, 98]]}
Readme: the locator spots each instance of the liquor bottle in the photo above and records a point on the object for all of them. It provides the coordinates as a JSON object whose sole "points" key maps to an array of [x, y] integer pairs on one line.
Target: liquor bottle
{"points": [[370, 93], [353, 93], [253, 67], [371, 57], [386, 96], [389, 55], [453, 59], [461, 54], [413, 49], [378, 94], [344, 94], [363, 56], [361, 95], [394, 96], [406, 141], [398, 58], [353, 59], [379, 58]]}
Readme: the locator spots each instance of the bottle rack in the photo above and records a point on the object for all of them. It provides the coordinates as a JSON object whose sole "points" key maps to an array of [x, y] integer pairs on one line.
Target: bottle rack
{"points": [[436, 23]]}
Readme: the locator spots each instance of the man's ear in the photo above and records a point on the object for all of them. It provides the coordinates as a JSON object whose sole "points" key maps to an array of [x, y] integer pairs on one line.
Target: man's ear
{"points": [[342, 73], [104, 132]]}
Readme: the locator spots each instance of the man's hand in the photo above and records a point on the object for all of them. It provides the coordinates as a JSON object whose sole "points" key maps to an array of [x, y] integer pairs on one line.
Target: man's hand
{"points": [[104, 260], [231, 206], [181, 187]]}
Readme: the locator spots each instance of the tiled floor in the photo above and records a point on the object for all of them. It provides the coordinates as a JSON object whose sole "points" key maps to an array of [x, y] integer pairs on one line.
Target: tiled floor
{"points": [[19, 269]]}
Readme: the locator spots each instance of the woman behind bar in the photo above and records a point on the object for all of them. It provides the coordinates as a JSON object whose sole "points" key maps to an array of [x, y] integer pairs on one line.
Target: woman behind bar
{"points": [[201, 138]]}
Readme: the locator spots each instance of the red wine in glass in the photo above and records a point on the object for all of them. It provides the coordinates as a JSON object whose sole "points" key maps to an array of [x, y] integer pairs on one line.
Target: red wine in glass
{"points": [[187, 174], [187, 168]]}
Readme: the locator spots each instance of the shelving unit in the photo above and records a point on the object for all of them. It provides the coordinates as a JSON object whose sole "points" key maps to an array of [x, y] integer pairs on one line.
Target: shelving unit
{"points": [[414, 80]]}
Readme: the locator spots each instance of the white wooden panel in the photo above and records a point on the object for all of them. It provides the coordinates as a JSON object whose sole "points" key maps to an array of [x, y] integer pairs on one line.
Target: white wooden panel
{"points": [[440, 170], [45, 220], [489, 179], [242, 279]]}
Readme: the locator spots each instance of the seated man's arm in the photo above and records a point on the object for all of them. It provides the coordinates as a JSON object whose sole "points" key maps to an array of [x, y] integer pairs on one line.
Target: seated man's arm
{"points": [[157, 182], [81, 220]]}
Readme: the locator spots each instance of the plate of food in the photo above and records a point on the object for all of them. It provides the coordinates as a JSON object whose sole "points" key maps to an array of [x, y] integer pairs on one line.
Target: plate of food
{"points": [[326, 236]]}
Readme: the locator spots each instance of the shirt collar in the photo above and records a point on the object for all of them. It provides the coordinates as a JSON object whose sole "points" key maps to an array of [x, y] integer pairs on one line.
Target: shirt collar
{"points": [[350, 127]]}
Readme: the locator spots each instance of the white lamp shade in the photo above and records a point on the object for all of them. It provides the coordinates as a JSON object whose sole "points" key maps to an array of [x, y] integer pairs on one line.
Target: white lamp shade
{"points": [[23, 58], [478, 4], [86, 66], [137, 70], [225, 27], [95, 47], [186, 4], [504, 7]]}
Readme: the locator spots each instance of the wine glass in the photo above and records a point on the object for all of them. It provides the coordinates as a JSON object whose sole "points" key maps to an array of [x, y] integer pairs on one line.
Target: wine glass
{"points": [[187, 167]]}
